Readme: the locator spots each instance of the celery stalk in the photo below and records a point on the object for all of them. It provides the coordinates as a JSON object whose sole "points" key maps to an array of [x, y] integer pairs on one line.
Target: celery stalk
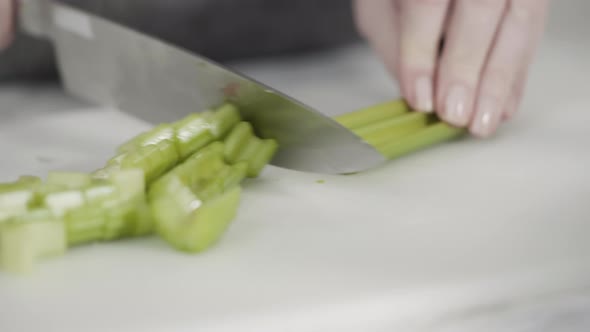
{"points": [[373, 114], [393, 129], [242, 145], [68, 180], [431, 135], [157, 135], [223, 119], [193, 133], [189, 224]]}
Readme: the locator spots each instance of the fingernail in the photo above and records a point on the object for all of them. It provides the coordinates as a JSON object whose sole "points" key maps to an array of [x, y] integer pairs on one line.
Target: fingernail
{"points": [[487, 118], [456, 111], [423, 92]]}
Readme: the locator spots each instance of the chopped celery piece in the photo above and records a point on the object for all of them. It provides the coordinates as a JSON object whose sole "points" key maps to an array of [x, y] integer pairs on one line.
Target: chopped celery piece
{"points": [[141, 219], [14, 203], [241, 145], [62, 201], [223, 119], [198, 171], [234, 175], [99, 191], [129, 182], [259, 159], [171, 202], [104, 173], [15, 197], [111, 219], [157, 135], [236, 140], [433, 134], [373, 114], [189, 224], [85, 224], [118, 218], [154, 160], [25, 241], [69, 180], [193, 133], [29, 180], [114, 212]]}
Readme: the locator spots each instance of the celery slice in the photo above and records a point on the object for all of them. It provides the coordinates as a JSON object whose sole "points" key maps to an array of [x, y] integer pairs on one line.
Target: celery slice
{"points": [[205, 226], [433, 134], [189, 224], [29, 181], [61, 202], [193, 133], [262, 157], [14, 203], [129, 182], [223, 119], [85, 224], [241, 145], [161, 133], [98, 192], [16, 197], [373, 114], [68, 180], [171, 202], [154, 160], [236, 140], [141, 219], [34, 237]]}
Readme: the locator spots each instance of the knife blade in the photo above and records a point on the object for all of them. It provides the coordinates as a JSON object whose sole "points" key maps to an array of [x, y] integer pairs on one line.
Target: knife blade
{"points": [[108, 64]]}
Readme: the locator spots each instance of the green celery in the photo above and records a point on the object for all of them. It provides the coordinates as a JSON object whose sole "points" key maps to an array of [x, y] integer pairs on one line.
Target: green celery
{"points": [[154, 160], [394, 128], [431, 135], [186, 222], [373, 114], [161, 133], [223, 119], [242, 145], [68, 180], [29, 238], [193, 133]]}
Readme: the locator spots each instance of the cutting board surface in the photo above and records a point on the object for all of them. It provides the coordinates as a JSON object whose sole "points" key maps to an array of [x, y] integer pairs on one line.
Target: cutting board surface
{"points": [[462, 225]]}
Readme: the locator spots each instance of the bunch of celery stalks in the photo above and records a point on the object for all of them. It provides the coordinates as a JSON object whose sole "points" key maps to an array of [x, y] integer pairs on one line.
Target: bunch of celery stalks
{"points": [[181, 181]]}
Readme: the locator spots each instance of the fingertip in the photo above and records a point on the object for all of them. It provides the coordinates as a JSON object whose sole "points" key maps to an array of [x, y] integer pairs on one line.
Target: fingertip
{"points": [[456, 105], [423, 94], [487, 117]]}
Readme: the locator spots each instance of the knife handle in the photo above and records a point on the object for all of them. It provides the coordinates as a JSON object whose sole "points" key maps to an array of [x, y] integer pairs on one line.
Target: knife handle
{"points": [[34, 17]]}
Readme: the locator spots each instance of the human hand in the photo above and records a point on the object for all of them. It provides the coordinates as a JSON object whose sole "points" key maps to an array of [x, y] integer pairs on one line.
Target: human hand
{"points": [[7, 8], [478, 78]]}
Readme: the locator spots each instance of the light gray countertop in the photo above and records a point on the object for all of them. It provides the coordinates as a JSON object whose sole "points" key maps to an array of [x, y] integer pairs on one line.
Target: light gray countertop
{"points": [[543, 153]]}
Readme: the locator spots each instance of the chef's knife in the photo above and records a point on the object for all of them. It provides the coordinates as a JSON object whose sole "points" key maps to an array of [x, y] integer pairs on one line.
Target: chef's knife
{"points": [[106, 63]]}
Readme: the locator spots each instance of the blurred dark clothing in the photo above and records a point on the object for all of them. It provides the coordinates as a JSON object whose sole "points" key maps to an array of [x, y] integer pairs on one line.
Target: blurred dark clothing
{"points": [[223, 30]]}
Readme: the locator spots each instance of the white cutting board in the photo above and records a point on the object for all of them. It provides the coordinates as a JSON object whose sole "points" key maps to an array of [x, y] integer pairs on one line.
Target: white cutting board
{"points": [[436, 236]]}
